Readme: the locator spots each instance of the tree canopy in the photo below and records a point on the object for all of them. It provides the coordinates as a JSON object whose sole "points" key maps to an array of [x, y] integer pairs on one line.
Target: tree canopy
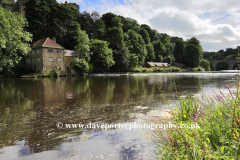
{"points": [[14, 40]]}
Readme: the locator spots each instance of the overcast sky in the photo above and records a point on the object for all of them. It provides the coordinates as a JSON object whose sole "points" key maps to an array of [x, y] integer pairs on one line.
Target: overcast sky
{"points": [[216, 23]]}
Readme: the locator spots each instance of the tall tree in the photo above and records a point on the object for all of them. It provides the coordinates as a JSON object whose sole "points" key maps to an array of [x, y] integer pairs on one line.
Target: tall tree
{"points": [[107, 18], [150, 53], [82, 46], [115, 37], [121, 61], [14, 40], [99, 30], [193, 52], [152, 33], [159, 49], [179, 50], [145, 36], [47, 18], [95, 15], [87, 23], [102, 56], [129, 23], [137, 46], [40, 16]]}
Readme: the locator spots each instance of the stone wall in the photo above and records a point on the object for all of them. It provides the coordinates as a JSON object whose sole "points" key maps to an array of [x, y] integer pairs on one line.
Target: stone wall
{"points": [[44, 66], [49, 66]]}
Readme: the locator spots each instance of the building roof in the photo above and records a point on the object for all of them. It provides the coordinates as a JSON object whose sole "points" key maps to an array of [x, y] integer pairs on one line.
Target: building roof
{"points": [[70, 53], [158, 64], [46, 42]]}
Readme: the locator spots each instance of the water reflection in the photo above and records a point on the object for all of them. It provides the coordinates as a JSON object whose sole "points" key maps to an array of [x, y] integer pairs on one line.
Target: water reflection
{"points": [[31, 108]]}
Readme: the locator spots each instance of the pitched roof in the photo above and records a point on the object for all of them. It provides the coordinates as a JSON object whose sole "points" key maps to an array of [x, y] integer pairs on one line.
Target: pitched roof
{"points": [[157, 64], [70, 53], [45, 42]]}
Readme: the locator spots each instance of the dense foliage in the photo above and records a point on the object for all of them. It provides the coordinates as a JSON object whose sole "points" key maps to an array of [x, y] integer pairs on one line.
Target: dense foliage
{"points": [[14, 41], [132, 44]]}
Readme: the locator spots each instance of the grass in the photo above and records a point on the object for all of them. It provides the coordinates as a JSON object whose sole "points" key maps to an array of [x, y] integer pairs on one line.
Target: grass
{"points": [[218, 135]]}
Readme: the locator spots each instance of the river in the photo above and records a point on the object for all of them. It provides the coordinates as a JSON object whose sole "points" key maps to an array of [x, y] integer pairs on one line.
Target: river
{"points": [[33, 113]]}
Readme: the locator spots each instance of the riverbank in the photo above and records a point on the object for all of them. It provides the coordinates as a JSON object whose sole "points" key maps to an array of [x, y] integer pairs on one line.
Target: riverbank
{"points": [[202, 129]]}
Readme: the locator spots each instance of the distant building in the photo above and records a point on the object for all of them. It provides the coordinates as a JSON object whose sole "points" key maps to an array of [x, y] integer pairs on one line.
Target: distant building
{"points": [[46, 56], [75, 6], [157, 65], [69, 56]]}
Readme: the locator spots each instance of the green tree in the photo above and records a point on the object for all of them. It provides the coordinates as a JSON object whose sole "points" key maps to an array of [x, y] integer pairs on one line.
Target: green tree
{"points": [[40, 16], [137, 46], [152, 33], [159, 49], [99, 29], [205, 64], [192, 55], [102, 56], [82, 46], [121, 61], [116, 22], [178, 51], [87, 23], [145, 36], [47, 18], [80, 65], [193, 52], [14, 40], [129, 23], [150, 53], [107, 18], [133, 62], [115, 38]]}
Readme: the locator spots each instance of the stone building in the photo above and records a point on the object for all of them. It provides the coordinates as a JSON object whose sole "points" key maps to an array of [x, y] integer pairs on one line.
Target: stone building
{"points": [[75, 6], [69, 56], [46, 57]]}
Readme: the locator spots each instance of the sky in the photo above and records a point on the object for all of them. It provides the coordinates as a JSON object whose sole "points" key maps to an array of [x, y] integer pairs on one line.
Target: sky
{"points": [[216, 23]]}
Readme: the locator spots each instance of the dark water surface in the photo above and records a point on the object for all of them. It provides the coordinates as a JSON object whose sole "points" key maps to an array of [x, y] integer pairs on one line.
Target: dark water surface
{"points": [[30, 109]]}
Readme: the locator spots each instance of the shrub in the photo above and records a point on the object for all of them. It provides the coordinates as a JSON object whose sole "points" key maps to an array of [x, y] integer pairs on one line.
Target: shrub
{"points": [[137, 70], [150, 70], [144, 70]]}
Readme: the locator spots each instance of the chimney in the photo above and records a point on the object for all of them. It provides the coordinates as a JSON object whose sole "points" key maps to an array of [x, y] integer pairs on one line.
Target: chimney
{"points": [[54, 39]]}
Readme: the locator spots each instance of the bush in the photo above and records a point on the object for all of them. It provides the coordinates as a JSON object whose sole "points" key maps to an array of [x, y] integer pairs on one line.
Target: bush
{"points": [[91, 68], [137, 70], [205, 64], [150, 70], [175, 69], [196, 69], [144, 70]]}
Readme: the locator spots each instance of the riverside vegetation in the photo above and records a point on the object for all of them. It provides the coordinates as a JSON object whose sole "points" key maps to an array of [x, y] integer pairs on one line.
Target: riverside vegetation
{"points": [[218, 137]]}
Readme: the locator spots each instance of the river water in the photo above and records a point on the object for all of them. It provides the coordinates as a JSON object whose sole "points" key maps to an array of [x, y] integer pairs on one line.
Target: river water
{"points": [[31, 108]]}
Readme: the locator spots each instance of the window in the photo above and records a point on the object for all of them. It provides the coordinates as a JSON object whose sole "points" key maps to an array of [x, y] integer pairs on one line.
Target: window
{"points": [[50, 59], [50, 50], [33, 59], [59, 59], [58, 51], [32, 51], [38, 59], [70, 58], [37, 50]]}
